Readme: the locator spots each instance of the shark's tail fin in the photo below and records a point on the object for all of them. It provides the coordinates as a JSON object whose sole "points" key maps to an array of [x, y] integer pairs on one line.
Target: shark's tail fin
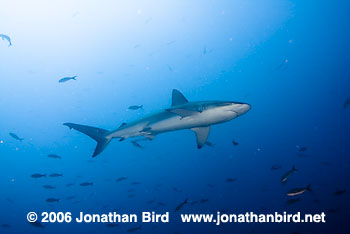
{"points": [[98, 134]]}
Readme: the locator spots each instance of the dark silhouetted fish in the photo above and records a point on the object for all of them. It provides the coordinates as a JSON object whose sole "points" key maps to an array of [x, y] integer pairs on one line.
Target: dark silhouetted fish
{"points": [[134, 229], [121, 179], [65, 79], [37, 224], [208, 143], [54, 156], [112, 225], [38, 175], [283, 65], [340, 192], [275, 167], [161, 203], [14, 136], [69, 185], [301, 149], [179, 207], [5, 37], [285, 177], [56, 175], [48, 187], [86, 184], [70, 197], [177, 190], [235, 143], [135, 107], [333, 210], [298, 191], [229, 180], [292, 201], [202, 201], [347, 103], [5, 225], [136, 144], [51, 200]]}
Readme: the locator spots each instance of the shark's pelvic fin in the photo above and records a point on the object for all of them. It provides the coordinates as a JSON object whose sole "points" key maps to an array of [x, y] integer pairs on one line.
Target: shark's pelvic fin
{"points": [[98, 134], [202, 135], [178, 98]]}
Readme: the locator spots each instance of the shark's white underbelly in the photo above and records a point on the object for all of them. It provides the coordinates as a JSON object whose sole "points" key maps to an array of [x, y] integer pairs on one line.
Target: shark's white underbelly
{"points": [[167, 121]]}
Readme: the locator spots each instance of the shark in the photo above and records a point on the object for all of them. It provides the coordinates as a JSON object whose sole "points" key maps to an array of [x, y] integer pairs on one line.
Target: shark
{"points": [[197, 116]]}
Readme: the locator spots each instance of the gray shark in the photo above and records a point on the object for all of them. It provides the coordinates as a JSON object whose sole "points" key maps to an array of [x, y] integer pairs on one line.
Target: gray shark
{"points": [[197, 116]]}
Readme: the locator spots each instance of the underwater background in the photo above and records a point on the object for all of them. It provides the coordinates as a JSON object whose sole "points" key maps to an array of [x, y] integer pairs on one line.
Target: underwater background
{"points": [[288, 59]]}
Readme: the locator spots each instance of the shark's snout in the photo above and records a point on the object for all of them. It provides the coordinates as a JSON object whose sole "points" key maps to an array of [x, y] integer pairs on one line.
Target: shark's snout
{"points": [[242, 108]]}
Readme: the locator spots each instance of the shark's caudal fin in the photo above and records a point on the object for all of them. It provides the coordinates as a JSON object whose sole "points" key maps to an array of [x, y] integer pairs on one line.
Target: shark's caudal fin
{"points": [[98, 134]]}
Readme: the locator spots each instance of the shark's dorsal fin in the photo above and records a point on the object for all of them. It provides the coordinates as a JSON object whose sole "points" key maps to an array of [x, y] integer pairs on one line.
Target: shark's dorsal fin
{"points": [[178, 98], [202, 135]]}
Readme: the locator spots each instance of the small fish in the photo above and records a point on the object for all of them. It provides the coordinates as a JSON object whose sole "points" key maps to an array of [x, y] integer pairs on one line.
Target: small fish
{"points": [[229, 180], [181, 205], [135, 183], [134, 229], [111, 225], [301, 149], [14, 136], [161, 203], [54, 156], [70, 197], [48, 187], [177, 190], [136, 144], [86, 184], [121, 179], [235, 143], [208, 143], [38, 175], [285, 177], [283, 65], [202, 201], [332, 210], [205, 50], [5, 37], [340, 192], [65, 79], [292, 201], [69, 185], [5, 225], [275, 167], [135, 107], [298, 191], [52, 200], [37, 224], [347, 103], [56, 175]]}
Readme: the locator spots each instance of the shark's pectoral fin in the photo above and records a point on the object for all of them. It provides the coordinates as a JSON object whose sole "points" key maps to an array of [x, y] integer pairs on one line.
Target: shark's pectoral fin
{"points": [[183, 112], [202, 135]]}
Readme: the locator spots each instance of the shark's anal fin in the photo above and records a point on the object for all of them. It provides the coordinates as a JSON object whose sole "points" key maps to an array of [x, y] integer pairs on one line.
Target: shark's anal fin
{"points": [[202, 135], [178, 98], [183, 112]]}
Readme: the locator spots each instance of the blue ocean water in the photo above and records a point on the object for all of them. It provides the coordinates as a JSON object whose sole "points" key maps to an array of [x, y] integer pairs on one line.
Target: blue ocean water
{"points": [[288, 59]]}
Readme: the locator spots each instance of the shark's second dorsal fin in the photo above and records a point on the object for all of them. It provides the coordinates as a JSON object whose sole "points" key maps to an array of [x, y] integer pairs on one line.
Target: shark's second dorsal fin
{"points": [[123, 124], [178, 98]]}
